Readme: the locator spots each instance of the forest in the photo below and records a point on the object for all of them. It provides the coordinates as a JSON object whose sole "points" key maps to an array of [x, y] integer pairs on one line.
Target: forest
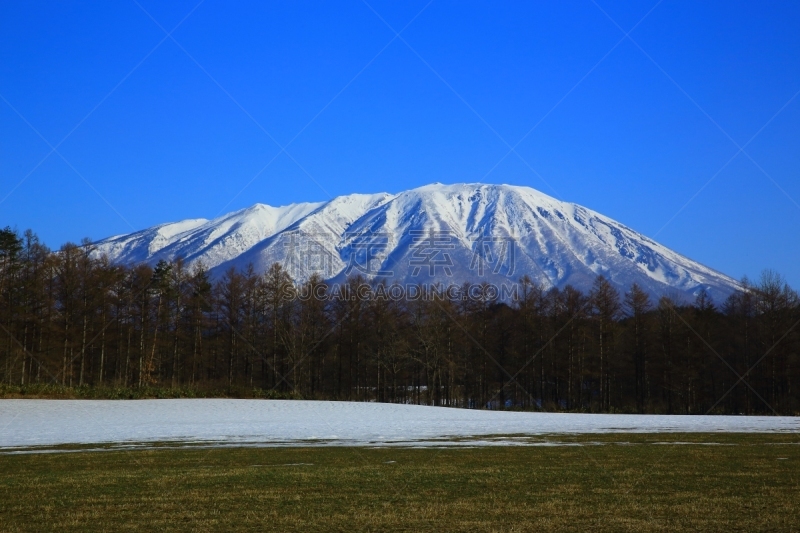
{"points": [[74, 320]]}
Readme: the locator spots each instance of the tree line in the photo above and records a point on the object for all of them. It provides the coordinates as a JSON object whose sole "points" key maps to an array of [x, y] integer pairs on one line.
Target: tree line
{"points": [[72, 319]]}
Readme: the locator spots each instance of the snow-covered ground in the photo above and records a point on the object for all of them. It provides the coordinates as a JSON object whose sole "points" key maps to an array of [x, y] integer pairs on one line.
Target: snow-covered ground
{"points": [[31, 423]]}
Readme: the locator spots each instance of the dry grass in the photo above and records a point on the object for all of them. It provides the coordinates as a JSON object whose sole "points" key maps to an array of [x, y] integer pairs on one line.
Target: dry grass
{"points": [[751, 483]]}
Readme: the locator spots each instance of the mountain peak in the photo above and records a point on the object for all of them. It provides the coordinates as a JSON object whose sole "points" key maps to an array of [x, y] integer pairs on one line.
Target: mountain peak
{"points": [[475, 232]]}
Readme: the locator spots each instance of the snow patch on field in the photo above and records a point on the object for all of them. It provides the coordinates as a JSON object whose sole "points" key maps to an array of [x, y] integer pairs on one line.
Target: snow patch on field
{"points": [[33, 423]]}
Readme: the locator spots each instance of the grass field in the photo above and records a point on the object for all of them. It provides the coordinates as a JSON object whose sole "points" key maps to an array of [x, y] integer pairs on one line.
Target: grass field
{"points": [[611, 483]]}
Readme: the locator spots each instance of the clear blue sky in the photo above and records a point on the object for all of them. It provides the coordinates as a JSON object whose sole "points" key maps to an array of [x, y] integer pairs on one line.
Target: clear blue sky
{"points": [[159, 128]]}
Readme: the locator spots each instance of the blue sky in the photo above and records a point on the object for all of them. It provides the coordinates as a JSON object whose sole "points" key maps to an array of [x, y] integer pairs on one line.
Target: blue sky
{"points": [[152, 127]]}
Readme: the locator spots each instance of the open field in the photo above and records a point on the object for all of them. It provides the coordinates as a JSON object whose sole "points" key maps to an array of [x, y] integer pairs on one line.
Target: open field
{"points": [[42, 423], [610, 482]]}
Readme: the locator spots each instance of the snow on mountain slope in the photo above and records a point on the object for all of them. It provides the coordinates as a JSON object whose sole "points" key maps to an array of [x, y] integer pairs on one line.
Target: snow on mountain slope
{"points": [[321, 234], [212, 241], [142, 245], [435, 233]]}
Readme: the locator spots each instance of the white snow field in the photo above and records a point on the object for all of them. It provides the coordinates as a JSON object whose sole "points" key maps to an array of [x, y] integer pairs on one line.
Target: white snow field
{"points": [[42, 423]]}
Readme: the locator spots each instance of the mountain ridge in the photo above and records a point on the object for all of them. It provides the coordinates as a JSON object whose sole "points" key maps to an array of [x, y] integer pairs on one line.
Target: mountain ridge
{"points": [[435, 233]]}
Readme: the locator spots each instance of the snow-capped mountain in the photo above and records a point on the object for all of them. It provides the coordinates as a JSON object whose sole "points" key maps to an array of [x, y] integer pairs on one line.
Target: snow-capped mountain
{"points": [[436, 233]]}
